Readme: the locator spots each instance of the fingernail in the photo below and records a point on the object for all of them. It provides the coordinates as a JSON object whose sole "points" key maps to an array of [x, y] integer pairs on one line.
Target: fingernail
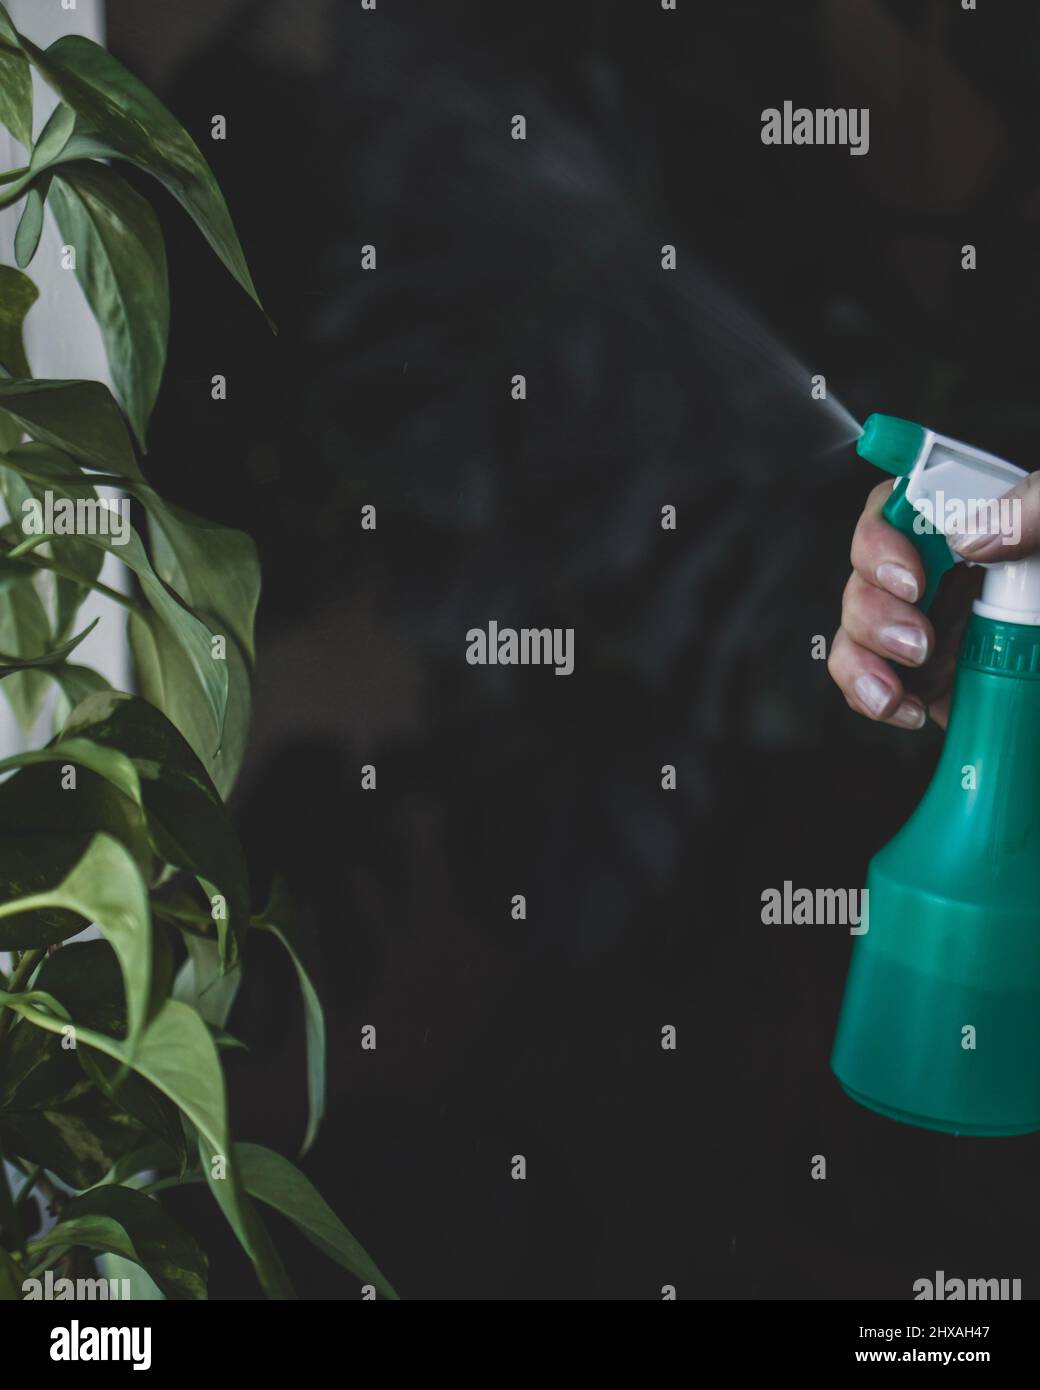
{"points": [[898, 581], [873, 694], [910, 715], [908, 642]]}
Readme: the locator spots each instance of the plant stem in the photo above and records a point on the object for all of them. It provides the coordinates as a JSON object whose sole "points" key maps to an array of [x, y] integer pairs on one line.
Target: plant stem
{"points": [[30, 543], [19, 975], [25, 967], [124, 600]]}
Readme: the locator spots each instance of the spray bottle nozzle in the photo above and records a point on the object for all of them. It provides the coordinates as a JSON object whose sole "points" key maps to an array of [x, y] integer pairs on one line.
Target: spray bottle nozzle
{"points": [[891, 443], [945, 487]]}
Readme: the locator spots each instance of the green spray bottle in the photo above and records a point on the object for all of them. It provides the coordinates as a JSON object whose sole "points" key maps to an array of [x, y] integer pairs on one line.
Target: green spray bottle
{"points": [[940, 1023]]}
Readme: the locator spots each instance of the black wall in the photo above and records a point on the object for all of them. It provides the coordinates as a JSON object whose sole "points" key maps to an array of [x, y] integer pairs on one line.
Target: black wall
{"points": [[693, 647]]}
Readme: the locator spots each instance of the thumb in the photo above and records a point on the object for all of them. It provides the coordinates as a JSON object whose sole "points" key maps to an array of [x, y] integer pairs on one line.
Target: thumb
{"points": [[1004, 529]]}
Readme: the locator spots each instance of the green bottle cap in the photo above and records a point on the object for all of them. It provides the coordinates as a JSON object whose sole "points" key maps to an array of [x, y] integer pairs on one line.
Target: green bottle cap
{"points": [[890, 443]]}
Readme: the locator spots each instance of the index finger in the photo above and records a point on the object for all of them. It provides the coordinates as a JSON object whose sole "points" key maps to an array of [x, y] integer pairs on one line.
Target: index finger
{"points": [[882, 555]]}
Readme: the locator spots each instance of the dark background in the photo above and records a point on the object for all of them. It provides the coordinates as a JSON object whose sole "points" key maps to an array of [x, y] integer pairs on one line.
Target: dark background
{"points": [[693, 647]]}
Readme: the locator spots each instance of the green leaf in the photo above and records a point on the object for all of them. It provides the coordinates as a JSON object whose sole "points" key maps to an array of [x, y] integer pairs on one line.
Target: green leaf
{"points": [[271, 1178], [49, 150], [107, 762], [25, 493], [16, 98], [203, 984], [279, 919], [54, 137], [11, 662], [79, 1137], [76, 682], [125, 115], [63, 140], [106, 888], [175, 1053], [50, 1113], [188, 822], [17, 296], [14, 489], [215, 569], [139, 1098], [79, 417], [46, 159], [138, 1283], [34, 1069], [179, 1057], [244, 1219], [30, 224], [151, 1157], [166, 679], [121, 264], [28, 473], [86, 979], [25, 496], [25, 630], [44, 832], [125, 1222], [191, 635], [200, 667], [38, 1073], [176, 903]]}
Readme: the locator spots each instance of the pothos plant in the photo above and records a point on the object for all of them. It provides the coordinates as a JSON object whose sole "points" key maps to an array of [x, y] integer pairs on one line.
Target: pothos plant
{"points": [[111, 1084]]}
